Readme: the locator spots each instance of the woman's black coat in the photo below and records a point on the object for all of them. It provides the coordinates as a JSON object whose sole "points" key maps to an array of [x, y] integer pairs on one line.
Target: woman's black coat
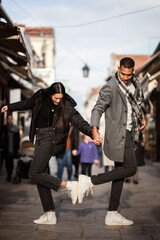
{"points": [[71, 116]]}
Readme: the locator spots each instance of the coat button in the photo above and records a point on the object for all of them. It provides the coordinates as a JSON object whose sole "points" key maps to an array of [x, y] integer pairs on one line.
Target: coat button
{"points": [[53, 128], [53, 141], [123, 137], [124, 124], [125, 111]]}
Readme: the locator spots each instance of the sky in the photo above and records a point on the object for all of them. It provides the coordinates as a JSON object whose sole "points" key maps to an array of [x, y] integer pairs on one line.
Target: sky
{"points": [[89, 31]]}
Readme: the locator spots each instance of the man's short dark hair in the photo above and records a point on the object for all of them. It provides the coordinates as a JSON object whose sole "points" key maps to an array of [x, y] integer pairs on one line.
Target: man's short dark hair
{"points": [[127, 62]]}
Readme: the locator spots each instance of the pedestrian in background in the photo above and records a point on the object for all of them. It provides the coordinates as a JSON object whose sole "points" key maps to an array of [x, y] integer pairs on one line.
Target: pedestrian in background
{"points": [[66, 160], [100, 155], [52, 112], [10, 139], [75, 140], [108, 164], [120, 99], [88, 155]]}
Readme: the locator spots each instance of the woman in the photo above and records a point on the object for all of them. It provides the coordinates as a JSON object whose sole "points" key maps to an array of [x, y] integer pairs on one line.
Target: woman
{"points": [[52, 112]]}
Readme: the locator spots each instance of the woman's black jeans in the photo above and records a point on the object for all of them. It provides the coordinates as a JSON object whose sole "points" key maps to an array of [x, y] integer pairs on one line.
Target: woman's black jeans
{"points": [[122, 170], [38, 173]]}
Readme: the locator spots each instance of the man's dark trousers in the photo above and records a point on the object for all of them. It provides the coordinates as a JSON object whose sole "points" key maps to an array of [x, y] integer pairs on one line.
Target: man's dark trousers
{"points": [[122, 170]]}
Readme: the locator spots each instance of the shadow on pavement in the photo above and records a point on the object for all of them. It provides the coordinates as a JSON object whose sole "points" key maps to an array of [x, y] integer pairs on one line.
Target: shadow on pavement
{"points": [[156, 213], [8, 197]]}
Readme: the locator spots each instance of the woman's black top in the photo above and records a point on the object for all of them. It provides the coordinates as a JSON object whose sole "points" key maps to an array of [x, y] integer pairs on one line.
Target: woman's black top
{"points": [[46, 114]]}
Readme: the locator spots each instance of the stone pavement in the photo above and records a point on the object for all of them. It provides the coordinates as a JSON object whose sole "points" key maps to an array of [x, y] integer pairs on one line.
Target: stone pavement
{"points": [[20, 205]]}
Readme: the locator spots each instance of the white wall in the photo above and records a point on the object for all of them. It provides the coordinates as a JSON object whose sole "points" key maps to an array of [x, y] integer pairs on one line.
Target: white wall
{"points": [[15, 96]]}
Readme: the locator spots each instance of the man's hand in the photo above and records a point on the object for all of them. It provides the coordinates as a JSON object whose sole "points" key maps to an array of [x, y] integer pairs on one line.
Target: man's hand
{"points": [[97, 139], [4, 109], [143, 123]]}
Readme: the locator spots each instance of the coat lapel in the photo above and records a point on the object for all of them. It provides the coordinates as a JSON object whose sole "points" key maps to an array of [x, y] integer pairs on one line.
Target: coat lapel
{"points": [[135, 93], [120, 92], [122, 96]]}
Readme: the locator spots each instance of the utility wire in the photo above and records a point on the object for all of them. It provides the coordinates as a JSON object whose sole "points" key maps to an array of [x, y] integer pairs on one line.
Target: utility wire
{"points": [[26, 12], [97, 71], [35, 20], [95, 21], [70, 51], [87, 23], [108, 18]]}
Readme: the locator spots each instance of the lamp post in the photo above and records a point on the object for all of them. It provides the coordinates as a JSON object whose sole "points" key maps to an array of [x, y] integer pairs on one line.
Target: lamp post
{"points": [[85, 70]]}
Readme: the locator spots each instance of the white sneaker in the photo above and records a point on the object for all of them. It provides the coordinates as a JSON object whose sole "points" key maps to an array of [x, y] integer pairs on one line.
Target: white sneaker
{"points": [[72, 190], [48, 218], [114, 218], [85, 186]]}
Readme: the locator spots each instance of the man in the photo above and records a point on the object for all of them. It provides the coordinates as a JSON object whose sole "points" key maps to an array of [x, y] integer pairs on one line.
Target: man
{"points": [[121, 100], [10, 145]]}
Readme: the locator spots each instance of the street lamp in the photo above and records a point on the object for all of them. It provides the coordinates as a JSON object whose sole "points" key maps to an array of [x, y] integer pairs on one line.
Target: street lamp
{"points": [[85, 70]]}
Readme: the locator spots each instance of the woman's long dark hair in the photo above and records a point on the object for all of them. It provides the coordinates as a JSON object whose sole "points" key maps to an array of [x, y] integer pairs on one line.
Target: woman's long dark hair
{"points": [[55, 88]]}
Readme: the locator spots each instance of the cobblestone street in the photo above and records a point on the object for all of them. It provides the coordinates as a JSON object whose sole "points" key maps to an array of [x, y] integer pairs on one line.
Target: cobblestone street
{"points": [[20, 205]]}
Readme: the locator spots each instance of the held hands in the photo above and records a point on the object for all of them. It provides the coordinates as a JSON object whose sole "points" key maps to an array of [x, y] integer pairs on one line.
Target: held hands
{"points": [[97, 139], [4, 109], [143, 122]]}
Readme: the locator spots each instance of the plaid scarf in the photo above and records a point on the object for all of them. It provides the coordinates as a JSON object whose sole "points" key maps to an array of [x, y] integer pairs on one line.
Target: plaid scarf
{"points": [[136, 103]]}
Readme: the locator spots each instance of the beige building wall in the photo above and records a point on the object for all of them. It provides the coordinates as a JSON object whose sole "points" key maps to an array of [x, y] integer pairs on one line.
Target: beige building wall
{"points": [[44, 48], [43, 44]]}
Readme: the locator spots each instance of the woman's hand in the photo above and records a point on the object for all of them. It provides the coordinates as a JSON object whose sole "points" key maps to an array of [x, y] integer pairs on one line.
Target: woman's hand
{"points": [[4, 109]]}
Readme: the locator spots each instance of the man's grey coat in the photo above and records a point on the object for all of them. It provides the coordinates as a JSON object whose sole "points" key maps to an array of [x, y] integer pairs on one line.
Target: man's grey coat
{"points": [[112, 101]]}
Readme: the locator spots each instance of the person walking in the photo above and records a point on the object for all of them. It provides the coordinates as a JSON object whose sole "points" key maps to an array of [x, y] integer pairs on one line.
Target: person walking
{"points": [[121, 100], [108, 164], [52, 112], [10, 139], [66, 160], [88, 155], [75, 139]]}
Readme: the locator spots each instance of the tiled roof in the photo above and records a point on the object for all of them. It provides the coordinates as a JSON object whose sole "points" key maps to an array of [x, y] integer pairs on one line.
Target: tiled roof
{"points": [[39, 31]]}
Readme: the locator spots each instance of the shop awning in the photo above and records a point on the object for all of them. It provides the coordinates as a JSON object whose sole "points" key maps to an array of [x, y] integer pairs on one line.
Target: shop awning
{"points": [[153, 65], [14, 57]]}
